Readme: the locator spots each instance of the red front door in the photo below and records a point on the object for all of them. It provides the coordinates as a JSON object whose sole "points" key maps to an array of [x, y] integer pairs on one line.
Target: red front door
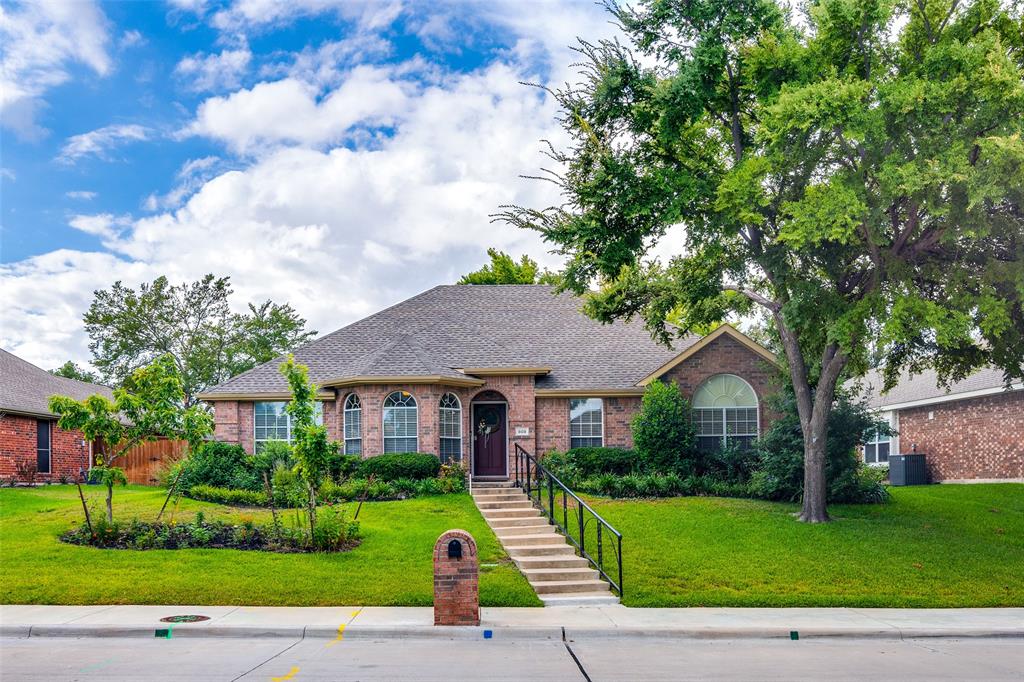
{"points": [[490, 456]]}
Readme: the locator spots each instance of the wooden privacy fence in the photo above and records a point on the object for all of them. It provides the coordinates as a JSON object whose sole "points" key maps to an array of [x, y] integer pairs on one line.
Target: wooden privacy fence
{"points": [[144, 462]]}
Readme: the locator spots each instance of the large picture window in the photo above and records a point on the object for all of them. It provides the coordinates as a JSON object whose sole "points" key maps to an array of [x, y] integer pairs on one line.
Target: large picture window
{"points": [[725, 413], [44, 445], [353, 425], [586, 423], [450, 420], [401, 422], [272, 422]]}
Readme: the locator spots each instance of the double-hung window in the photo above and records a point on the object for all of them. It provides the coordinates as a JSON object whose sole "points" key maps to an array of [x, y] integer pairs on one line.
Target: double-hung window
{"points": [[272, 422], [401, 423], [725, 413], [450, 419], [353, 425], [586, 423], [878, 445]]}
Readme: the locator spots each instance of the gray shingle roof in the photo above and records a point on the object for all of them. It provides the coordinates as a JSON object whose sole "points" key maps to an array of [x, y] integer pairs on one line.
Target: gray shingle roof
{"points": [[26, 389], [477, 326], [925, 386]]}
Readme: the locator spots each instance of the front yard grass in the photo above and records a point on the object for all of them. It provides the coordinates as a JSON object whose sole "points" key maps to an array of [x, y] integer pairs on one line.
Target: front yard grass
{"points": [[392, 566], [931, 546]]}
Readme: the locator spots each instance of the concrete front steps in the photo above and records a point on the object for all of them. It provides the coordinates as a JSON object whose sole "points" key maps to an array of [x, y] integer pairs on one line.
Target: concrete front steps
{"points": [[559, 577]]}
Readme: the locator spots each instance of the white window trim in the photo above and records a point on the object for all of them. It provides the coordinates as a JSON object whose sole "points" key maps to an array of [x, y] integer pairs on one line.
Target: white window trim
{"points": [[458, 411], [893, 418], [383, 412], [344, 423], [725, 430], [603, 440]]}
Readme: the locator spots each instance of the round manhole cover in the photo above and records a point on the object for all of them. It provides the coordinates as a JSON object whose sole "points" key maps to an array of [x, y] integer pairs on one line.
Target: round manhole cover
{"points": [[184, 619]]}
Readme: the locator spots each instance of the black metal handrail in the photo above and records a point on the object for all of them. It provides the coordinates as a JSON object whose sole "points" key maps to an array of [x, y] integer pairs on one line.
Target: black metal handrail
{"points": [[533, 477]]}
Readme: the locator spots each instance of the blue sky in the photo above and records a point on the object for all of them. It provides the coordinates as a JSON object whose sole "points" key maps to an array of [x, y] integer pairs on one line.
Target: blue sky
{"points": [[339, 156]]}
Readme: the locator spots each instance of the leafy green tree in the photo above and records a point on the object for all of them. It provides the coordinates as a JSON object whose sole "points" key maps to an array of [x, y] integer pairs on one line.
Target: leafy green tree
{"points": [[149, 405], [192, 323], [311, 447], [504, 270], [857, 176], [662, 433], [70, 370]]}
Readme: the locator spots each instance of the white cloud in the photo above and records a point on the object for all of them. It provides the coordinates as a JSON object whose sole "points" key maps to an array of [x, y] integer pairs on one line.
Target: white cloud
{"points": [[337, 231], [213, 72], [131, 39], [100, 141], [104, 225], [40, 42], [290, 111], [84, 195], [327, 64], [9, 174]]}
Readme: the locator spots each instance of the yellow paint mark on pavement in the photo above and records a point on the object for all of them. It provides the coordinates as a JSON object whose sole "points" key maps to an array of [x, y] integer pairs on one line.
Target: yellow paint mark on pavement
{"points": [[284, 678], [341, 628]]}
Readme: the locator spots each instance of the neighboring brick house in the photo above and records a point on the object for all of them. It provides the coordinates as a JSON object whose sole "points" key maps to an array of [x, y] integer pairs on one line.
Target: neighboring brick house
{"points": [[467, 372], [971, 431], [28, 430]]}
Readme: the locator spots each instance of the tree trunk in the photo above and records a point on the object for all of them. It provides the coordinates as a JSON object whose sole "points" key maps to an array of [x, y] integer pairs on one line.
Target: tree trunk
{"points": [[110, 503], [815, 485]]}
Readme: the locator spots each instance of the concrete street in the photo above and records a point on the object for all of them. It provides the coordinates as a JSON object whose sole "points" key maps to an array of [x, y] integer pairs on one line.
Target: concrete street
{"points": [[600, 658]]}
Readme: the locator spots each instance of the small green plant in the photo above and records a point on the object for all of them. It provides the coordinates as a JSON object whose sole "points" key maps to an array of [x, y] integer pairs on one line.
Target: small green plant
{"points": [[333, 531]]}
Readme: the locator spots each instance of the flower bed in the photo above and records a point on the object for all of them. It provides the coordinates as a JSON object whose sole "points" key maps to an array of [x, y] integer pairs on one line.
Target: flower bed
{"points": [[333, 533]]}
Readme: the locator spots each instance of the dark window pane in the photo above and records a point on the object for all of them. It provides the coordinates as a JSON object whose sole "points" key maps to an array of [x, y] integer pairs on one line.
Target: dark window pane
{"points": [[709, 443], [451, 450], [883, 452], [43, 446]]}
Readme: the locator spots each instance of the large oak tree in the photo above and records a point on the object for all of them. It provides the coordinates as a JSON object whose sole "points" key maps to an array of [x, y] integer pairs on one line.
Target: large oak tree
{"points": [[855, 172]]}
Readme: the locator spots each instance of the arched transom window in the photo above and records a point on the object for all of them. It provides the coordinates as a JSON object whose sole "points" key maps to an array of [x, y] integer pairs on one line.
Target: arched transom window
{"points": [[401, 423], [353, 425], [725, 413], [451, 428]]}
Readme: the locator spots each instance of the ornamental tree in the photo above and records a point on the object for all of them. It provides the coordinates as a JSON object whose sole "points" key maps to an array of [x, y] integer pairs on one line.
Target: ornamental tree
{"points": [[148, 406], [857, 176], [310, 445]]}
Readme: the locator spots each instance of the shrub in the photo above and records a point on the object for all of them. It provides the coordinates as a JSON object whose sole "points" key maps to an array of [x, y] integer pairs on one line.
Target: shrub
{"points": [[733, 463], [344, 466], [288, 489], [222, 465], [333, 531], [662, 432], [780, 473], [595, 461], [274, 453], [233, 496], [395, 465]]}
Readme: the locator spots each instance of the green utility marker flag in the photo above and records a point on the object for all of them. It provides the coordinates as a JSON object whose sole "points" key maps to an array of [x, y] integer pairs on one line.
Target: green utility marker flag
{"points": [[794, 635], [163, 632]]}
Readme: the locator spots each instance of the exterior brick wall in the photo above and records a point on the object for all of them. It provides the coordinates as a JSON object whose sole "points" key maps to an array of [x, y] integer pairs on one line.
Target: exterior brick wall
{"points": [[977, 438], [618, 421], [552, 424], [69, 452], [727, 355]]}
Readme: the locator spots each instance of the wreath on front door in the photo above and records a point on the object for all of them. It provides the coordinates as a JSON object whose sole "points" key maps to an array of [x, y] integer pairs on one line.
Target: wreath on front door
{"points": [[488, 424]]}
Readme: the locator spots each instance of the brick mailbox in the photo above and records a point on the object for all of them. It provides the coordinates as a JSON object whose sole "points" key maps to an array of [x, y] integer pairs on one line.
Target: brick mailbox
{"points": [[456, 579]]}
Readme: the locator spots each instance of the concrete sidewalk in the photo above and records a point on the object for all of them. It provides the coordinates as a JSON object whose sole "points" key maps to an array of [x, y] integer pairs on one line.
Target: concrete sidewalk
{"points": [[375, 622]]}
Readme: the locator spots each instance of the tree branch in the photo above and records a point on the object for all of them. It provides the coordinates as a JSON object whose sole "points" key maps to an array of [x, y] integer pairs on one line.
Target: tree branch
{"points": [[773, 306]]}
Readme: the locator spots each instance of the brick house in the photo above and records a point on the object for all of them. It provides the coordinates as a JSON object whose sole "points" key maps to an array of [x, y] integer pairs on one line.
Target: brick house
{"points": [[971, 431], [466, 372], [28, 430]]}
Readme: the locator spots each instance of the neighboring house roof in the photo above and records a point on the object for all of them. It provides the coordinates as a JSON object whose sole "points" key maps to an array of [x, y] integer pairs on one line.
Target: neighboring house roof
{"points": [[924, 388], [26, 389], [446, 333]]}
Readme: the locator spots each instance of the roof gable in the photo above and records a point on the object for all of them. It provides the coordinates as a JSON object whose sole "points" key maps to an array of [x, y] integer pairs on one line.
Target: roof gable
{"points": [[704, 342]]}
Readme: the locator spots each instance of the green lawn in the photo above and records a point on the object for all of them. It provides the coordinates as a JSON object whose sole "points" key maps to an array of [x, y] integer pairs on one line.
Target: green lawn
{"points": [[392, 566], [932, 546]]}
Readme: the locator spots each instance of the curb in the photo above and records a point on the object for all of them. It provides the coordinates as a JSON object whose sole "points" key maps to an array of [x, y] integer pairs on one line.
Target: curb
{"points": [[505, 633]]}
